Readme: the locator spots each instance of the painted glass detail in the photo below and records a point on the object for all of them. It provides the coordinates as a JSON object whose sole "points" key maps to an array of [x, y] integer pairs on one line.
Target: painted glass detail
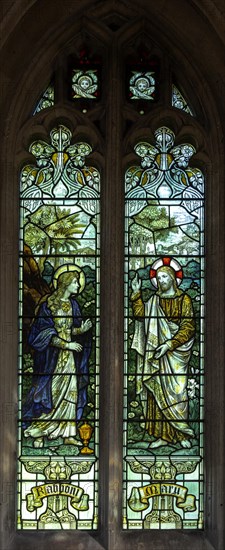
{"points": [[179, 102], [142, 70], [47, 100], [142, 85], [59, 337], [164, 322], [85, 84]]}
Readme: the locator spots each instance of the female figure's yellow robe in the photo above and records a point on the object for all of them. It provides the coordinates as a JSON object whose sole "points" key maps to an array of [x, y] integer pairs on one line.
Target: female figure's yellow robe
{"points": [[162, 383]]}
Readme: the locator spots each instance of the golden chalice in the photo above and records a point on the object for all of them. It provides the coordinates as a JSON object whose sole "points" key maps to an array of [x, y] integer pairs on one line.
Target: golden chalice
{"points": [[85, 432]]}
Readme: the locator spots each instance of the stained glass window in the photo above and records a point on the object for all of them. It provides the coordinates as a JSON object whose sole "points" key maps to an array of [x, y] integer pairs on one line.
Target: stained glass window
{"points": [[85, 75], [47, 100], [164, 318], [59, 337], [85, 84], [179, 102], [142, 77], [142, 85]]}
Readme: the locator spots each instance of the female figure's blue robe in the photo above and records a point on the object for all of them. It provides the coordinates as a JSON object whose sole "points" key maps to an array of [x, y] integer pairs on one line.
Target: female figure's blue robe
{"points": [[39, 399]]}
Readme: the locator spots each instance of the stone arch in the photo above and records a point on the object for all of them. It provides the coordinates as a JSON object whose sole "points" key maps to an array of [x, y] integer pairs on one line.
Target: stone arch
{"points": [[33, 34]]}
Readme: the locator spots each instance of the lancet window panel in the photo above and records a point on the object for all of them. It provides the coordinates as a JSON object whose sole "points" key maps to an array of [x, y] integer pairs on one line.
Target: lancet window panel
{"points": [[164, 337], [58, 447]]}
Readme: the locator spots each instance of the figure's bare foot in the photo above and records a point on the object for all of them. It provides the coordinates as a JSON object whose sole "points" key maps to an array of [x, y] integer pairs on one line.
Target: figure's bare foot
{"points": [[157, 443], [72, 441], [38, 442], [186, 443]]}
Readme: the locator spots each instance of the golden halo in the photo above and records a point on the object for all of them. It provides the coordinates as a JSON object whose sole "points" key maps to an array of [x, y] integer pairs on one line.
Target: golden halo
{"points": [[166, 261], [67, 268]]}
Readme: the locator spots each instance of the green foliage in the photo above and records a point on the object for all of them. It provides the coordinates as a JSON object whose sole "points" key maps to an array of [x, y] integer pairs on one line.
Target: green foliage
{"points": [[28, 362], [45, 215], [54, 230], [135, 431], [36, 239], [153, 216], [26, 386]]}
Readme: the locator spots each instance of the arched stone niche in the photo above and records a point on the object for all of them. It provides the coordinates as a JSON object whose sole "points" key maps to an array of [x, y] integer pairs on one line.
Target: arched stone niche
{"points": [[36, 37]]}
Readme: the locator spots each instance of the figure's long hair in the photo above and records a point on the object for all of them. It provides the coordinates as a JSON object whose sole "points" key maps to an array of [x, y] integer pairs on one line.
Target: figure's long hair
{"points": [[171, 273], [63, 281]]}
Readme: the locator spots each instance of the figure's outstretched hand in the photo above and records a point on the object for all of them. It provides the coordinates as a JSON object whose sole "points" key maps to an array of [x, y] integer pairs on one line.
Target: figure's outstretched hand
{"points": [[73, 346], [136, 283], [86, 325], [161, 350]]}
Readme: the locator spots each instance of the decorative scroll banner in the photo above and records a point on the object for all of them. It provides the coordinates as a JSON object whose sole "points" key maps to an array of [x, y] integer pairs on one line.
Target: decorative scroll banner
{"points": [[79, 499], [139, 497]]}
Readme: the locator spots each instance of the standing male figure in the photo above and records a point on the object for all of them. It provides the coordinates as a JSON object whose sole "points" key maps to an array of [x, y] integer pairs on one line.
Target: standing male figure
{"points": [[163, 339]]}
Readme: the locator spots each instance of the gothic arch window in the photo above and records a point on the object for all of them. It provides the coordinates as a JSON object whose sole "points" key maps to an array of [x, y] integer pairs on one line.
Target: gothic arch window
{"points": [[118, 99], [164, 341], [59, 344]]}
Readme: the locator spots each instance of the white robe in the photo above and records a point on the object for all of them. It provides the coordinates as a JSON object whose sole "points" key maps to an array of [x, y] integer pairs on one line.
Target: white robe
{"points": [[166, 378]]}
